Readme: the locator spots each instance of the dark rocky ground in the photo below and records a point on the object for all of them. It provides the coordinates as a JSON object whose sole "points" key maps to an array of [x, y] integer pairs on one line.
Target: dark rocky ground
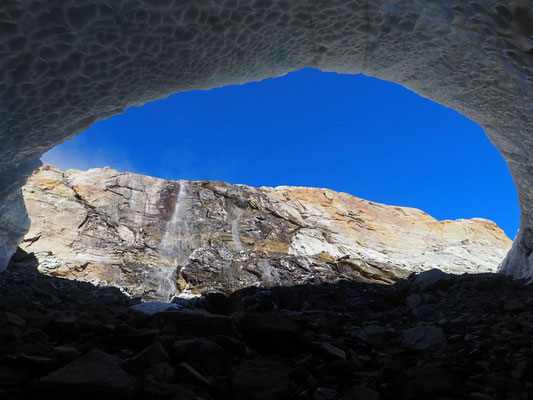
{"points": [[428, 337]]}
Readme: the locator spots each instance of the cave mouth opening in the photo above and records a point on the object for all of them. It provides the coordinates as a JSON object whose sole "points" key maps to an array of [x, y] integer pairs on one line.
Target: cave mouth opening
{"points": [[350, 133], [448, 54], [100, 59], [295, 134]]}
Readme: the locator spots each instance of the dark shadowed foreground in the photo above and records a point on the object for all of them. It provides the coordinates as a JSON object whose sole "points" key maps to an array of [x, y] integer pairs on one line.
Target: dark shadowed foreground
{"points": [[432, 336]]}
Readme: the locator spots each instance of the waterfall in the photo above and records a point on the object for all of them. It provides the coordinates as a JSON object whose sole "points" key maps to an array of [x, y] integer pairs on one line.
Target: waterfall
{"points": [[235, 236], [176, 227], [166, 279], [172, 246], [157, 283]]}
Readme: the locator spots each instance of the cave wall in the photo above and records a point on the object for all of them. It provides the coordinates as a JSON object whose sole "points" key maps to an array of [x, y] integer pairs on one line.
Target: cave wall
{"points": [[65, 65]]}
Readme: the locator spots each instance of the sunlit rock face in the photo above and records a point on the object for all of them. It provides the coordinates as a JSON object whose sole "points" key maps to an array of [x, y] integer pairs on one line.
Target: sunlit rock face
{"points": [[65, 65], [156, 238]]}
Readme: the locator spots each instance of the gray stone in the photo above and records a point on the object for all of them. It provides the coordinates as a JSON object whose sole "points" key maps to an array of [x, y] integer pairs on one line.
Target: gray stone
{"points": [[12, 319], [423, 337], [93, 373], [433, 279], [333, 351]]}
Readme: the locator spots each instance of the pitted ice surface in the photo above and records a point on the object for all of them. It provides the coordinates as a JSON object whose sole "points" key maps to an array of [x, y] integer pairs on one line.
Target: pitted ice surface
{"points": [[65, 65]]}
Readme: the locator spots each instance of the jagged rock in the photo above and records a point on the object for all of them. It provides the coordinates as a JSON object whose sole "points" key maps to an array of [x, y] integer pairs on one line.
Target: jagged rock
{"points": [[95, 374], [155, 238], [332, 351], [433, 279], [151, 355], [372, 334], [8, 318], [423, 337]]}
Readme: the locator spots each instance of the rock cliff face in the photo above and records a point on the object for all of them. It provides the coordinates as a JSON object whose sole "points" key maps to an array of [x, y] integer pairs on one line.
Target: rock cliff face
{"points": [[155, 237]]}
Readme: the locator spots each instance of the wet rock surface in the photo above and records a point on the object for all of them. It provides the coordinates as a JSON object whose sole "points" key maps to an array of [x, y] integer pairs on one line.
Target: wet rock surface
{"points": [[349, 340], [156, 238]]}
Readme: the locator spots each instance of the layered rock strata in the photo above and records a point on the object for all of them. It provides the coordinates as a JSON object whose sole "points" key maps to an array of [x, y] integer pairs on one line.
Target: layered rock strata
{"points": [[65, 65], [155, 238]]}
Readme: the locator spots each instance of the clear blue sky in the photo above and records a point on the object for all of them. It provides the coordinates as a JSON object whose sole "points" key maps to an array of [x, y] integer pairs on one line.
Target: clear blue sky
{"points": [[351, 133]]}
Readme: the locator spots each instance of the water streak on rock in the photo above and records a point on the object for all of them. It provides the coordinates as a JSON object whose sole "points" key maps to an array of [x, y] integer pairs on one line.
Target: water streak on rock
{"points": [[176, 229], [165, 279], [235, 234], [172, 247]]}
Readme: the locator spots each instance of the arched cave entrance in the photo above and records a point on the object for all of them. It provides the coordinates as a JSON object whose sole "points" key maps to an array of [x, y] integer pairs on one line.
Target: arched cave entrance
{"points": [[65, 67]]}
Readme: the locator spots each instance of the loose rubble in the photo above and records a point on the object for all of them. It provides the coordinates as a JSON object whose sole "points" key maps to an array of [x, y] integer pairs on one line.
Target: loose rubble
{"points": [[350, 340]]}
